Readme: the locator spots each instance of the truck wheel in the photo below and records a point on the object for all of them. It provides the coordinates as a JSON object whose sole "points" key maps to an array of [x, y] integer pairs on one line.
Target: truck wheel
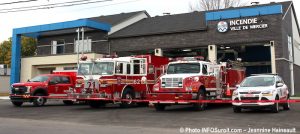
{"points": [[39, 101], [200, 106], [96, 104], [159, 107], [286, 106], [68, 102], [236, 109], [128, 94], [275, 107], [17, 103]]}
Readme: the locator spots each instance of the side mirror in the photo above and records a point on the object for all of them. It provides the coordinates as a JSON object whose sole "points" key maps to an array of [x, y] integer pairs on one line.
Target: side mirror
{"points": [[279, 84]]}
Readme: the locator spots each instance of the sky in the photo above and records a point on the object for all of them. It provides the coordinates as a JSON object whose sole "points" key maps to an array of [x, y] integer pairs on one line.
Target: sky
{"points": [[9, 21]]}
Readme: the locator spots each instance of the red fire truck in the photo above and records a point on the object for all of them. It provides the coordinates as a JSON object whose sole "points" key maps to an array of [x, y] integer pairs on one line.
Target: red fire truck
{"points": [[190, 80], [111, 80]]}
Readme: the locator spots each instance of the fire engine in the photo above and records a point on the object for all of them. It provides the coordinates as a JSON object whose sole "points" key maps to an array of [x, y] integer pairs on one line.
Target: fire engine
{"points": [[190, 80], [114, 79]]}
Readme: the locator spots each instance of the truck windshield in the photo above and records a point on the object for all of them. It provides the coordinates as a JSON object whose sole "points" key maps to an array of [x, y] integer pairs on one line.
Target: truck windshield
{"points": [[85, 68], [39, 79], [183, 68], [258, 82], [103, 68]]}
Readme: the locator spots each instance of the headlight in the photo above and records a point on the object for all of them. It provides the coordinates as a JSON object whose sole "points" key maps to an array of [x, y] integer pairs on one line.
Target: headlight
{"points": [[196, 79], [188, 88], [28, 89], [163, 84], [180, 84], [267, 92], [235, 93]]}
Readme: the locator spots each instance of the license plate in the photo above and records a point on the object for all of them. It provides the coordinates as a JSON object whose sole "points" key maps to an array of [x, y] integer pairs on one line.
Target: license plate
{"points": [[249, 95]]}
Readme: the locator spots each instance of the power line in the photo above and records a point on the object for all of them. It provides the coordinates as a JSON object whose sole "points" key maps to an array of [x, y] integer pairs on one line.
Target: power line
{"points": [[16, 2], [57, 5], [125, 2], [45, 5], [48, 7], [87, 8]]}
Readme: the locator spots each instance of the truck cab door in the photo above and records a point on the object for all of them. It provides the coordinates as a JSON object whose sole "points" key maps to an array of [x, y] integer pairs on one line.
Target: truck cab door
{"points": [[64, 85], [53, 85]]}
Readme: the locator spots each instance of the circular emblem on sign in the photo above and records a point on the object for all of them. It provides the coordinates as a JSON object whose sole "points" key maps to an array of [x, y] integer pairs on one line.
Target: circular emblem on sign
{"points": [[222, 26]]}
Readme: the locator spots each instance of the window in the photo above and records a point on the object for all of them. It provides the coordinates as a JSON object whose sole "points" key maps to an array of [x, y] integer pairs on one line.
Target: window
{"points": [[103, 68], [183, 68], [85, 68], [65, 80], [139, 66], [55, 79], [39, 79], [58, 47], [120, 68], [258, 82], [85, 47], [151, 69], [128, 68], [4, 70], [204, 69]]}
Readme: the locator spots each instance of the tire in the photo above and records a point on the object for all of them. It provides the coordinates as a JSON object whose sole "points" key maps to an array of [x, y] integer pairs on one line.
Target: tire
{"points": [[237, 109], [96, 104], [128, 94], [286, 106], [200, 96], [39, 101], [17, 103], [159, 107], [275, 107], [68, 102]]}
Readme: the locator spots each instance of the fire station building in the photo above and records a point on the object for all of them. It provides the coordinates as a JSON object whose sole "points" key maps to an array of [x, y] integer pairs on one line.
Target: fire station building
{"points": [[265, 38]]}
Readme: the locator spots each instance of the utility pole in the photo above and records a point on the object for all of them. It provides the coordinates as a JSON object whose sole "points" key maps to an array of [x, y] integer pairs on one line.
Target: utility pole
{"points": [[82, 40], [77, 47]]}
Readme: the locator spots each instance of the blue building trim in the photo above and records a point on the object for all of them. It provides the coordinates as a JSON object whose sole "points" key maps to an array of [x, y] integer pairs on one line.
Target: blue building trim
{"points": [[243, 12], [34, 31], [15, 58]]}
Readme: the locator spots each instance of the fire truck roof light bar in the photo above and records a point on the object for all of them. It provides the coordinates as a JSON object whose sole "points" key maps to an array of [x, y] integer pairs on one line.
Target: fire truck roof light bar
{"points": [[196, 58]]}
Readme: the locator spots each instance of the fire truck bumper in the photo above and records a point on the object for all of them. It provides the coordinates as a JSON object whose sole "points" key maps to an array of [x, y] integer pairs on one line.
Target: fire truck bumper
{"points": [[20, 98], [174, 98], [94, 96]]}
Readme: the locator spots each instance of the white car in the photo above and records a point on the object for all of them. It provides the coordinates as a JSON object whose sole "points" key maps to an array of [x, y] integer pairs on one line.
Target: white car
{"points": [[261, 91]]}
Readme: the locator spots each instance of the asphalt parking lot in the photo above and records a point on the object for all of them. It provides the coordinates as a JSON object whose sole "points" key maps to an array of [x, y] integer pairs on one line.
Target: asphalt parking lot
{"points": [[78, 119]]}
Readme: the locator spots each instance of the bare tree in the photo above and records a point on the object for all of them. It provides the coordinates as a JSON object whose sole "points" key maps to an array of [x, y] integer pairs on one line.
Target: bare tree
{"points": [[206, 5]]}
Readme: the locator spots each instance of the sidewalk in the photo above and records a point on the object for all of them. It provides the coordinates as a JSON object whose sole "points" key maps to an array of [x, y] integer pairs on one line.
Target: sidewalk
{"points": [[295, 98], [4, 98]]}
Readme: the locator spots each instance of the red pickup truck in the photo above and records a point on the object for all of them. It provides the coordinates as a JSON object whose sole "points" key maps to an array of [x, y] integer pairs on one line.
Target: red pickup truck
{"points": [[43, 87]]}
